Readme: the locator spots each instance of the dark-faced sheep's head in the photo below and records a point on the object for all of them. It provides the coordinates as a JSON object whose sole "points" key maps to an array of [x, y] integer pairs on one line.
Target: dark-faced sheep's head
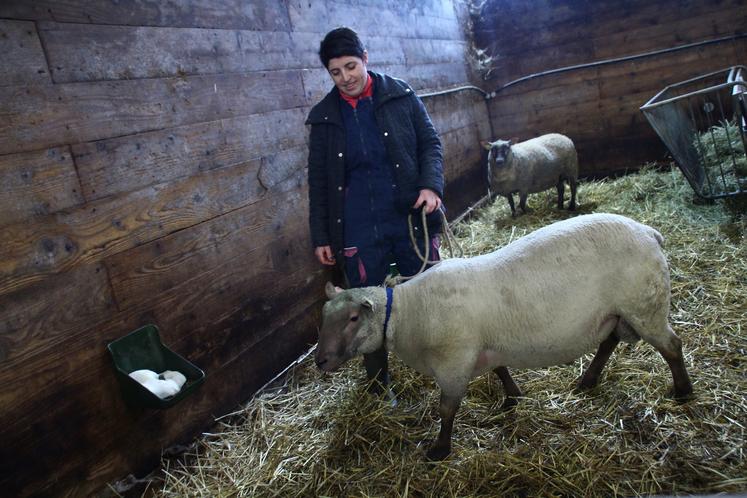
{"points": [[348, 328], [498, 152]]}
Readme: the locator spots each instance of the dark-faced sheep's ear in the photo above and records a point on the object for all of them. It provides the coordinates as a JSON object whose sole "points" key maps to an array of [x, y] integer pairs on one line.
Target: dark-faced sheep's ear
{"points": [[331, 290], [486, 145]]}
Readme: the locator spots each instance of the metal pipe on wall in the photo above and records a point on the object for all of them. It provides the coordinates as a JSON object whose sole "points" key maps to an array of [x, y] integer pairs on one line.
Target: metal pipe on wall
{"points": [[616, 60], [490, 95], [453, 90]]}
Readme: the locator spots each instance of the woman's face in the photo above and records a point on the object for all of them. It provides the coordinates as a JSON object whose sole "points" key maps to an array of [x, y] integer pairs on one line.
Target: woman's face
{"points": [[349, 73]]}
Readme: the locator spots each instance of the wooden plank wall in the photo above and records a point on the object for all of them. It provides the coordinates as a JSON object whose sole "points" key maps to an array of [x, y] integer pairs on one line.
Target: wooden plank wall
{"points": [[599, 107], [152, 170]]}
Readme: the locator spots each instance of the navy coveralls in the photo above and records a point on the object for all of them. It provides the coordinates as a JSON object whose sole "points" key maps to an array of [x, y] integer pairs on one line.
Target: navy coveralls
{"points": [[375, 233]]}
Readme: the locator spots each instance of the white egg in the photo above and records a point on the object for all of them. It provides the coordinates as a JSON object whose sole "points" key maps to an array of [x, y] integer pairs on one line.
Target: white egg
{"points": [[143, 375], [177, 377], [162, 388]]}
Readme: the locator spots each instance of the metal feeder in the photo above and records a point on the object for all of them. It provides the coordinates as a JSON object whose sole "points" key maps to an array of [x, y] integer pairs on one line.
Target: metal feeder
{"points": [[143, 349], [703, 122]]}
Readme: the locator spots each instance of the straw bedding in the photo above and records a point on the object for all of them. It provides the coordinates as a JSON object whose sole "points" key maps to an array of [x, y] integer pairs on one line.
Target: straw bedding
{"points": [[316, 435]]}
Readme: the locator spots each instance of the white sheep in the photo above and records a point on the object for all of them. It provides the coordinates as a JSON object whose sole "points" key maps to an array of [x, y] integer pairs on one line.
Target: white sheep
{"points": [[545, 299], [532, 166]]}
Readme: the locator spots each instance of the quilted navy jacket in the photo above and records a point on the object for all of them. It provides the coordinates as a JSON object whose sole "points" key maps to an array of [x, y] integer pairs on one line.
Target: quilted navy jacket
{"points": [[411, 142]]}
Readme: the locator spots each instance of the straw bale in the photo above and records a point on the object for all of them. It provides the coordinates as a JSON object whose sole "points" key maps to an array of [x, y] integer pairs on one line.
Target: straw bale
{"points": [[322, 435]]}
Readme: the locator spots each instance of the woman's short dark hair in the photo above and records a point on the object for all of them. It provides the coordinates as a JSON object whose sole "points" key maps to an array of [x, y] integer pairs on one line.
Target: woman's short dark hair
{"points": [[338, 43]]}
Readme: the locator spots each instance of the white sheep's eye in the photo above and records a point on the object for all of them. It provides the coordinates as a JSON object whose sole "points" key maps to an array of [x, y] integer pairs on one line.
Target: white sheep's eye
{"points": [[354, 318]]}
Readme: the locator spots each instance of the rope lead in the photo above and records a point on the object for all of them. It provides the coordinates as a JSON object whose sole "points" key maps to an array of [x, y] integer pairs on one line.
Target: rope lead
{"points": [[449, 238]]}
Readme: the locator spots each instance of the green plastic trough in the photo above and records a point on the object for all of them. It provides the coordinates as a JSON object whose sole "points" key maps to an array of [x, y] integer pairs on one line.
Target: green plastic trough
{"points": [[143, 349]]}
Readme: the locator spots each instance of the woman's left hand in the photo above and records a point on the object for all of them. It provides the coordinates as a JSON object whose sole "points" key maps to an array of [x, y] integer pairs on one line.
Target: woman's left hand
{"points": [[429, 199]]}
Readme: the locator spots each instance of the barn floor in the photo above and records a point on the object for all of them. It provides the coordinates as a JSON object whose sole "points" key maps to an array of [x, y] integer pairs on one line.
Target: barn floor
{"points": [[323, 436]]}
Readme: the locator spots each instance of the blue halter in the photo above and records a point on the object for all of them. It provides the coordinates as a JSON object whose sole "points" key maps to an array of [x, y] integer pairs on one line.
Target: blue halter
{"points": [[389, 296]]}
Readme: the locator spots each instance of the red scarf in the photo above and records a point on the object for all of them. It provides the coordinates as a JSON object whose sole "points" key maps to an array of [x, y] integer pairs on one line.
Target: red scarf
{"points": [[367, 92]]}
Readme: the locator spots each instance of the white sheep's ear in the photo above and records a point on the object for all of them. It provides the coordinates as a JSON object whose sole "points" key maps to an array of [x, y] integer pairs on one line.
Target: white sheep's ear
{"points": [[331, 290], [367, 303], [486, 145]]}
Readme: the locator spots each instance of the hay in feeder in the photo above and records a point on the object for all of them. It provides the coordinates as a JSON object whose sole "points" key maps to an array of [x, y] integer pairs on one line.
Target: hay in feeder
{"points": [[322, 435], [722, 155]]}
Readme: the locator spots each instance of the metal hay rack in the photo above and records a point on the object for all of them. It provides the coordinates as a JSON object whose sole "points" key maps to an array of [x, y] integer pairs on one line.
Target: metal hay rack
{"points": [[703, 123]]}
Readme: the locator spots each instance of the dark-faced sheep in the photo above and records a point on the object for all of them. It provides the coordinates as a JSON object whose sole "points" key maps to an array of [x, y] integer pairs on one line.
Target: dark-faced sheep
{"points": [[546, 299], [532, 166]]}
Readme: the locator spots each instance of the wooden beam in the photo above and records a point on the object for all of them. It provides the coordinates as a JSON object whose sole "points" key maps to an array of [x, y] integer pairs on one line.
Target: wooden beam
{"points": [[54, 244], [229, 14], [44, 116], [148, 270], [398, 20], [44, 316], [23, 57], [462, 151], [92, 52], [37, 183], [456, 110], [124, 164]]}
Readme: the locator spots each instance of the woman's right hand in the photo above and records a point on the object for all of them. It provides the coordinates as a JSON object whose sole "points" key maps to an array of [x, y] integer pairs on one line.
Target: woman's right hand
{"points": [[324, 255]]}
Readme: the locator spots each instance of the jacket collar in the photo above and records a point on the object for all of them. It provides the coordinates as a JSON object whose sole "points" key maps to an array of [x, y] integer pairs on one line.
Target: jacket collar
{"points": [[327, 111], [386, 88]]}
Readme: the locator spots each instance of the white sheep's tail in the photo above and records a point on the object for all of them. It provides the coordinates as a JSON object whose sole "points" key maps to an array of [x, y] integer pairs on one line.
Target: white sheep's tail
{"points": [[659, 237]]}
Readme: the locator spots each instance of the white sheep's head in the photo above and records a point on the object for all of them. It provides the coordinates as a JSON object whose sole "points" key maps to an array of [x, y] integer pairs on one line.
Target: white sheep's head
{"points": [[348, 327], [498, 152]]}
